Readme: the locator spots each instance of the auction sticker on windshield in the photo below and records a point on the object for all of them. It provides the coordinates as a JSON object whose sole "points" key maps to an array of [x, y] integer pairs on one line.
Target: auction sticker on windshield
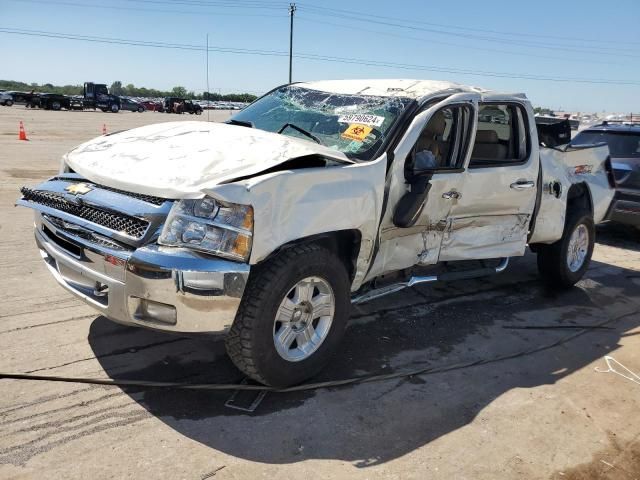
{"points": [[357, 132], [362, 119]]}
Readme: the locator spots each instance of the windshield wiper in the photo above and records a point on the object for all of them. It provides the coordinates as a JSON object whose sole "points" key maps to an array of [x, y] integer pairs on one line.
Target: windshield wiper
{"points": [[242, 123], [302, 131]]}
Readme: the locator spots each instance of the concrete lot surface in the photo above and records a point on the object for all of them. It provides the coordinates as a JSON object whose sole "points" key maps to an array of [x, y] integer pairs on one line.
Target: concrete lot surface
{"points": [[539, 415]]}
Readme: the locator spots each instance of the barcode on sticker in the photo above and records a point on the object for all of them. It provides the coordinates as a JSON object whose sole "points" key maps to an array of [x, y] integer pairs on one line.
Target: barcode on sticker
{"points": [[362, 119]]}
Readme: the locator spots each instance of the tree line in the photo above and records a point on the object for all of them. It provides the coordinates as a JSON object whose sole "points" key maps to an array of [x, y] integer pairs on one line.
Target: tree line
{"points": [[130, 90]]}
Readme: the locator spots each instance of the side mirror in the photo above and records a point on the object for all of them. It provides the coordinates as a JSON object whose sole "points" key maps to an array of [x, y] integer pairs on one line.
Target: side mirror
{"points": [[411, 204]]}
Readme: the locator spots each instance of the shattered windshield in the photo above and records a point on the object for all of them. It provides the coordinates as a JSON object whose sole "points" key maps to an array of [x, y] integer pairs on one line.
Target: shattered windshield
{"points": [[356, 125]]}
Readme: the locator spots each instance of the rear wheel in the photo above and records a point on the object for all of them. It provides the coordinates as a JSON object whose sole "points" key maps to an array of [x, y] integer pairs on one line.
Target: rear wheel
{"points": [[563, 263], [140, 109], [292, 316], [56, 105], [8, 103], [115, 108]]}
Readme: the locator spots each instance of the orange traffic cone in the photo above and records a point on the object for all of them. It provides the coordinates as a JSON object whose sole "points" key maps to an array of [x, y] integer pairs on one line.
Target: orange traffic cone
{"points": [[22, 135], [104, 128]]}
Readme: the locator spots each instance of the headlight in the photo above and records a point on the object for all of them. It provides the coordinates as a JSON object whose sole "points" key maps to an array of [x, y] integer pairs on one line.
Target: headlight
{"points": [[210, 226]]}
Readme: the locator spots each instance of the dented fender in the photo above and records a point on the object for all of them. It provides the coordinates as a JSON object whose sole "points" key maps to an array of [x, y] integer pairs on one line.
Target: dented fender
{"points": [[561, 169], [295, 204]]}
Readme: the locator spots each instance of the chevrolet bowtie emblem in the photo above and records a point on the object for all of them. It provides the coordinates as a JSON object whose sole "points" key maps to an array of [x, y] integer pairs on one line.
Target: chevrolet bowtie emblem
{"points": [[78, 188]]}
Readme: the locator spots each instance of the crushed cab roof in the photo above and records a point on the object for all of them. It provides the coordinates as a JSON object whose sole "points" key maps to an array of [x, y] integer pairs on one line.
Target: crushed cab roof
{"points": [[390, 87]]}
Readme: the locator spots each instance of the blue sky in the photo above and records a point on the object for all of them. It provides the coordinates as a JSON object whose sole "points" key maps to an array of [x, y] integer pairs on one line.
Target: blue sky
{"points": [[584, 40]]}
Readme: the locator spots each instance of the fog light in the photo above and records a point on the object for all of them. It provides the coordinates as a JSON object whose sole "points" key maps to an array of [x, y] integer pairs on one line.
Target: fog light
{"points": [[150, 311], [206, 281]]}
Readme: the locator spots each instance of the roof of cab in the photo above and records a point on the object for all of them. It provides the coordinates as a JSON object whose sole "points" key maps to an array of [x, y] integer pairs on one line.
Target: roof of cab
{"points": [[391, 87]]}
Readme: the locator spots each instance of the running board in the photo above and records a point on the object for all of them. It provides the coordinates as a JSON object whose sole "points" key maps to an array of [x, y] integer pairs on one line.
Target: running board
{"points": [[443, 277]]}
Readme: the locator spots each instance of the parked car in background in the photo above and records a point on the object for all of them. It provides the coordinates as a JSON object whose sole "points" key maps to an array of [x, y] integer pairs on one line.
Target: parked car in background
{"points": [[152, 106], [181, 105], [131, 105], [51, 101], [6, 99], [21, 98], [623, 139]]}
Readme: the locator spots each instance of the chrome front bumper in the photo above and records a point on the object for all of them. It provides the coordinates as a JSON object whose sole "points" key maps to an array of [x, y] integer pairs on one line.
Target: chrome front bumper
{"points": [[157, 287]]}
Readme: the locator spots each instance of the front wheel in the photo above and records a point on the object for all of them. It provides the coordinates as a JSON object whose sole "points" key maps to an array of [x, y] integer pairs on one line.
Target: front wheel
{"points": [[140, 109], [563, 263], [198, 112], [292, 316], [115, 108]]}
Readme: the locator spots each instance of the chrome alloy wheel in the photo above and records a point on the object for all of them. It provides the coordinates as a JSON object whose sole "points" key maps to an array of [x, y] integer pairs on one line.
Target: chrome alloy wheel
{"points": [[578, 248], [303, 319]]}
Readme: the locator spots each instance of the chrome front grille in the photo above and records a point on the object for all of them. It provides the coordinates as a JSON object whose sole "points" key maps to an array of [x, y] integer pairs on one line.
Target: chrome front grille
{"points": [[112, 220], [139, 196], [78, 231]]}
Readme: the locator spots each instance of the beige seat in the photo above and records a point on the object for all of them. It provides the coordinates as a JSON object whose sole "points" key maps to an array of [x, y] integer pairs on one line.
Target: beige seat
{"points": [[488, 146], [431, 137]]}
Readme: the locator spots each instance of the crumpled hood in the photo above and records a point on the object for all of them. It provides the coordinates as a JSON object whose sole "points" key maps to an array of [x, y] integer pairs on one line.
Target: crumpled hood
{"points": [[180, 159]]}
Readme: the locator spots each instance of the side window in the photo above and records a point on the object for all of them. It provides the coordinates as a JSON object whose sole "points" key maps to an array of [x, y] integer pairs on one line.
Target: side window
{"points": [[502, 137], [439, 146]]}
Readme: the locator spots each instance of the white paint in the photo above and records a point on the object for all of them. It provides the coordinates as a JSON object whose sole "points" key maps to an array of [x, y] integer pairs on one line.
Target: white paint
{"points": [[181, 159], [390, 87], [559, 166], [296, 204], [490, 220]]}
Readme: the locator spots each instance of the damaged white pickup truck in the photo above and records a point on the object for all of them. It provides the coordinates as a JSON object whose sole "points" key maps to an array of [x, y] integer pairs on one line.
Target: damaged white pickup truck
{"points": [[316, 196]]}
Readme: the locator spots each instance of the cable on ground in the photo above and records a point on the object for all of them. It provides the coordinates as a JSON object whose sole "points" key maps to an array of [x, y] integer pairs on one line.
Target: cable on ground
{"points": [[317, 385]]}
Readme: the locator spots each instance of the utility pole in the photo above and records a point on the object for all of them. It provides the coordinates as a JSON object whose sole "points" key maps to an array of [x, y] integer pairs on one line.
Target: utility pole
{"points": [[208, 94], [292, 10]]}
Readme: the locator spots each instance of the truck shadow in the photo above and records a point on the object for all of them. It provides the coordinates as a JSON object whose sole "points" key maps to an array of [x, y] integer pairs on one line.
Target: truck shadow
{"points": [[373, 423]]}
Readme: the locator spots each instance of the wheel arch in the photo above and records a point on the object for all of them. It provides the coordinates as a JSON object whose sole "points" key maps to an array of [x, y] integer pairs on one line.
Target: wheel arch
{"points": [[579, 196], [345, 244]]}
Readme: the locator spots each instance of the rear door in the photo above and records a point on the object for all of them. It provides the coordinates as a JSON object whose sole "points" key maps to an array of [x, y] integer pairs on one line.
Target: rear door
{"points": [[490, 217]]}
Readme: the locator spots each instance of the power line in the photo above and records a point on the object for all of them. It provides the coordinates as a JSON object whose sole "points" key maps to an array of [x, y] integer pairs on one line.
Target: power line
{"points": [[439, 42], [151, 10], [222, 4], [315, 57], [525, 43], [458, 27]]}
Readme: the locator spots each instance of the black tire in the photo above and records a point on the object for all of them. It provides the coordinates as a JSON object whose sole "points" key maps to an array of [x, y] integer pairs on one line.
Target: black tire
{"points": [[8, 103], [56, 105], [250, 342], [115, 108], [553, 262], [140, 109], [198, 112]]}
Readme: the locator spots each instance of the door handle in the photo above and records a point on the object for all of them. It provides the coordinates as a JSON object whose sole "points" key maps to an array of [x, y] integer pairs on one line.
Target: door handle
{"points": [[523, 184], [451, 194]]}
